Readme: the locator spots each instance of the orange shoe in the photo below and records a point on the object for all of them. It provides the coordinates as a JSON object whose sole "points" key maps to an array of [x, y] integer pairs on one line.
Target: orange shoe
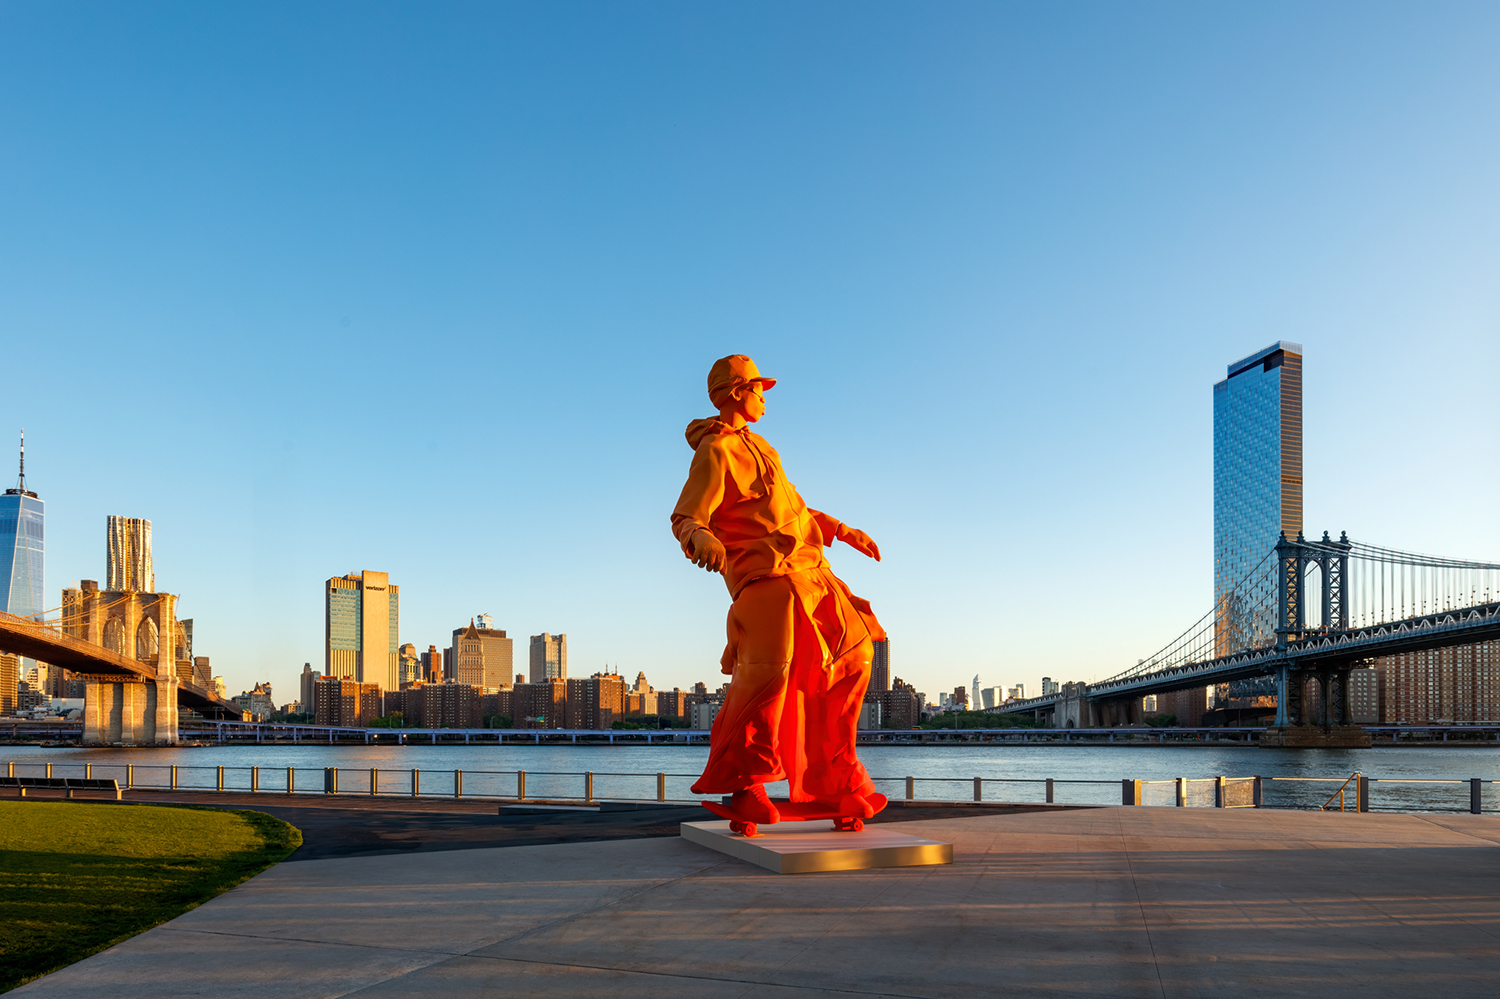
{"points": [[753, 805]]}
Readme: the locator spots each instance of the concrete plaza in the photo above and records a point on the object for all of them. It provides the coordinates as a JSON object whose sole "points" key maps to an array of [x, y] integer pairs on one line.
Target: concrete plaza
{"points": [[1092, 902]]}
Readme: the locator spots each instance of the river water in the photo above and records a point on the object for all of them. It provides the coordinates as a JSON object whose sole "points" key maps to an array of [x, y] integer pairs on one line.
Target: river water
{"points": [[1083, 774]]}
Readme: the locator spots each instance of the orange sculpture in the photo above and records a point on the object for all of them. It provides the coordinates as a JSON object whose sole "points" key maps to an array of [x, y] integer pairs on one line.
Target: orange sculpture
{"points": [[799, 647]]}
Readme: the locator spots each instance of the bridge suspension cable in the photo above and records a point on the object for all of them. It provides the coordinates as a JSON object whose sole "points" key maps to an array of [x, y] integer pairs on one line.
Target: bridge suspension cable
{"points": [[1379, 585], [1253, 598], [1387, 584]]}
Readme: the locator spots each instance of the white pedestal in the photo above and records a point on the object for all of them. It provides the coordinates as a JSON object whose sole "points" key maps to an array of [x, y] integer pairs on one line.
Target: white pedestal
{"points": [[806, 847]]}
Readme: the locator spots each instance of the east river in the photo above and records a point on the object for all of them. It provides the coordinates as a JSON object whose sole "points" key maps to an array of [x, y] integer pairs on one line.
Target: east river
{"points": [[943, 772]]}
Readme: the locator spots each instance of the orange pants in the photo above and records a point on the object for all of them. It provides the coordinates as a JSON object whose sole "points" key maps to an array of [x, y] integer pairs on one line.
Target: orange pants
{"points": [[800, 650]]}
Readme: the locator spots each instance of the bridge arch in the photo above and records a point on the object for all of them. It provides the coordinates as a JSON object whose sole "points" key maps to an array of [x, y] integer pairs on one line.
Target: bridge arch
{"points": [[146, 639], [114, 635]]}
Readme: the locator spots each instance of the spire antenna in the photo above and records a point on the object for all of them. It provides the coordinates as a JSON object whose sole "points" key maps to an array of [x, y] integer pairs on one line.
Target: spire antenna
{"points": [[22, 483]]}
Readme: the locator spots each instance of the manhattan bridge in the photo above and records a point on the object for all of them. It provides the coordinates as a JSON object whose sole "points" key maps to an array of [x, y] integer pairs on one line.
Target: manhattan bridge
{"points": [[1310, 611]]}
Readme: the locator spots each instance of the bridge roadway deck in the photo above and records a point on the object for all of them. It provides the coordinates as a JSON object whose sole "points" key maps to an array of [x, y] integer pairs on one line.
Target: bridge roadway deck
{"points": [[1091, 902]]}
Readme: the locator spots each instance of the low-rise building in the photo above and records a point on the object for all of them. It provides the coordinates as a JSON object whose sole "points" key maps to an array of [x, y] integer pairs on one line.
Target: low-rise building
{"points": [[346, 703], [257, 702], [703, 715], [901, 706], [596, 702], [438, 705], [540, 705]]}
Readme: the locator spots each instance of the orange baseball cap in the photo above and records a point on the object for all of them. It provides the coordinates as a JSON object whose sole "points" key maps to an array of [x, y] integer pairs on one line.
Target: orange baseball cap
{"points": [[732, 372]]}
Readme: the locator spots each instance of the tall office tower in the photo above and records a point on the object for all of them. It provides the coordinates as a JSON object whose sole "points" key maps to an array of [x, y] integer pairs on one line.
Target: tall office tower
{"points": [[1257, 483], [128, 556], [483, 656], [361, 624], [549, 657], [10, 681], [22, 555], [432, 665], [880, 667], [305, 691], [1257, 497]]}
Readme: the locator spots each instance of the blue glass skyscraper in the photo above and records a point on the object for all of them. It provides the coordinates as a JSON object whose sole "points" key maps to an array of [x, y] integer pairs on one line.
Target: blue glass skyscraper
{"points": [[1257, 487], [22, 553]]}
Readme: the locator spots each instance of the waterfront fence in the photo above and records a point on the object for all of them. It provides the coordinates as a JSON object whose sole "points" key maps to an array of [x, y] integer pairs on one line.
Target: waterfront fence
{"points": [[1354, 793]]}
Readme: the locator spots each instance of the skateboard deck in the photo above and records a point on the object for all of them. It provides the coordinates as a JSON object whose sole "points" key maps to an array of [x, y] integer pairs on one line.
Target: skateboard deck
{"points": [[801, 811]]}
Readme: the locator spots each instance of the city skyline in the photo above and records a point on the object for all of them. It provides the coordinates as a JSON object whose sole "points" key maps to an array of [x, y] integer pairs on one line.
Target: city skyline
{"points": [[1004, 255]]}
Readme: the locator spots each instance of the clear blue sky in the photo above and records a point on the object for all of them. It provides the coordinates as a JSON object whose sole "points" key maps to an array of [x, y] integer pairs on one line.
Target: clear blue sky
{"points": [[433, 289]]}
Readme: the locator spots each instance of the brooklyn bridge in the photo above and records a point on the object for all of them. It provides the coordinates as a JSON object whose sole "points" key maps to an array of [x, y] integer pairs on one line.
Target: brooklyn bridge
{"points": [[127, 699]]}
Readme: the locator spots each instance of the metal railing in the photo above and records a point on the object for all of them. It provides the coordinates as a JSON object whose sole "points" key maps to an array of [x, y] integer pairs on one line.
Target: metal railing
{"points": [[1353, 793]]}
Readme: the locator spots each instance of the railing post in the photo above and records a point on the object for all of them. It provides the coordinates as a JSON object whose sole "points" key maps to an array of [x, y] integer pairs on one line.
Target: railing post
{"points": [[661, 787], [174, 774], [374, 781], [1049, 790], [254, 779], [588, 785], [10, 769], [1181, 793], [1255, 791], [330, 780], [458, 783], [49, 772], [88, 771], [978, 788], [1476, 799], [520, 785], [1364, 793], [911, 787], [291, 780], [1130, 792], [416, 782], [219, 780], [1219, 786]]}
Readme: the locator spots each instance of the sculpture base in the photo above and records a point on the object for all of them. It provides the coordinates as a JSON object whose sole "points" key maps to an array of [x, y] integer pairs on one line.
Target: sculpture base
{"points": [[1315, 737], [807, 847]]}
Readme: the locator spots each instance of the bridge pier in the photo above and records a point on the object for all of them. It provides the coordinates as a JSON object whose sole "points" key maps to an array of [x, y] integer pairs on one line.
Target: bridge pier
{"points": [[130, 714], [1331, 729]]}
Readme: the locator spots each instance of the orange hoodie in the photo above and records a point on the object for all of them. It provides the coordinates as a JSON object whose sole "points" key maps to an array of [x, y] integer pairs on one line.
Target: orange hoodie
{"points": [[737, 491]]}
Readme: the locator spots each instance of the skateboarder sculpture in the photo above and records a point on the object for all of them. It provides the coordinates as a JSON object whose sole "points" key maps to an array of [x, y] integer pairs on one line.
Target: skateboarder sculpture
{"points": [[800, 644]]}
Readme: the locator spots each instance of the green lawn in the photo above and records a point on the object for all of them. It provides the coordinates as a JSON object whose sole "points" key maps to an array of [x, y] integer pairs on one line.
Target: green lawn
{"points": [[76, 878]]}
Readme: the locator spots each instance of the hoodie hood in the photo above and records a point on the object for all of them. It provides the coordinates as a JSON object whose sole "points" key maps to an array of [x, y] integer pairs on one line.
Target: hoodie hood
{"points": [[699, 429]]}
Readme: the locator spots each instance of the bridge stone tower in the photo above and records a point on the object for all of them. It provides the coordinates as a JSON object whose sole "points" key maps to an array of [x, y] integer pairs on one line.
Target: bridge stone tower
{"points": [[144, 625], [1302, 614]]}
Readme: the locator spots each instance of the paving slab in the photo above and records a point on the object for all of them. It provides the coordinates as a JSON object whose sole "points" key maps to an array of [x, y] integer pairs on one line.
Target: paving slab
{"points": [[1103, 902]]}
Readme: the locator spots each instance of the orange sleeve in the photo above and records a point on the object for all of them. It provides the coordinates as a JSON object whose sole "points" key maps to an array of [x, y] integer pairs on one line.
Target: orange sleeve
{"points": [[827, 526], [701, 494]]}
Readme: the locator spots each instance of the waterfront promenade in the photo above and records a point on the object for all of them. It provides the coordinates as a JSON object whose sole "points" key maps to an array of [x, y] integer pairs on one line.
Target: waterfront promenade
{"points": [[1082, 902]]}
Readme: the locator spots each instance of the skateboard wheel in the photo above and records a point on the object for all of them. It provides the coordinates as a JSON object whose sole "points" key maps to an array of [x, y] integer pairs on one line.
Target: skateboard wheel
{"points": [[849, 824], [747, 828], [736, 826]]}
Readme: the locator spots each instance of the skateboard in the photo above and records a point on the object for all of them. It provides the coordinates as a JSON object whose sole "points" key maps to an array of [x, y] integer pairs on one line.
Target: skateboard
{"points": [[802, 811]]}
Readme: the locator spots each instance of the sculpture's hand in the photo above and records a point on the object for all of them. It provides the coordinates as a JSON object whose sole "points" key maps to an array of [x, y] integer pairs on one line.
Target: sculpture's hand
{"points": [[860, 542], [705, 551]]}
